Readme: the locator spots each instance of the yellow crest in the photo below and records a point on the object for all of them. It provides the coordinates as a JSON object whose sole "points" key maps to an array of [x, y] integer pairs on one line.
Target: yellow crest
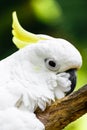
{"points": [[21, 37]]}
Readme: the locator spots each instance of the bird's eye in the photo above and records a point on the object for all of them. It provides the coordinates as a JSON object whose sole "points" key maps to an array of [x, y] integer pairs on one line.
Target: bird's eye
{"points": [[51, 64]]}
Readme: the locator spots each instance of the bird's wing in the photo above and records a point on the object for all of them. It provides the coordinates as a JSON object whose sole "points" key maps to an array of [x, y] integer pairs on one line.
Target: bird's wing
{"points": [[14, 119]]}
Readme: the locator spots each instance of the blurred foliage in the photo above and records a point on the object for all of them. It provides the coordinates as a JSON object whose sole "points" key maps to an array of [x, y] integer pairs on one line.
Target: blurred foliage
{"points": [[59, 18], [47, 11]]}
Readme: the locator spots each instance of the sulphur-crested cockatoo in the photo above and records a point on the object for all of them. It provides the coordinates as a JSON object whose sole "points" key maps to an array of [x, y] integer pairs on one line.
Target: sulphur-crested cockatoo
{"points": [[42, 71]]}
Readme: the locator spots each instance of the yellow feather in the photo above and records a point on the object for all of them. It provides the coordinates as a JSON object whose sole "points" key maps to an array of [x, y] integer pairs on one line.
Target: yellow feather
{"points": [[21, 37]]}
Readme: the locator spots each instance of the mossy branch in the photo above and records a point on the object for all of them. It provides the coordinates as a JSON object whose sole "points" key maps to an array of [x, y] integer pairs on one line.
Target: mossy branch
{"points": [[65, 110]]}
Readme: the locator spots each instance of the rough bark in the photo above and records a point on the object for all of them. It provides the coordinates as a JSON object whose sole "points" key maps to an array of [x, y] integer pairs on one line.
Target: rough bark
{"points": [[65, 110]]}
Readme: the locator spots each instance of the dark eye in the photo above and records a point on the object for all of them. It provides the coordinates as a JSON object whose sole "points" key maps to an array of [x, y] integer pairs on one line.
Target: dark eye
{"points": [[51, 64]]}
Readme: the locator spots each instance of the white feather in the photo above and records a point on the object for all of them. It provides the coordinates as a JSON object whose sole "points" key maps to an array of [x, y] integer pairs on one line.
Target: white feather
{"points": [[25, 79], [14, 119]]}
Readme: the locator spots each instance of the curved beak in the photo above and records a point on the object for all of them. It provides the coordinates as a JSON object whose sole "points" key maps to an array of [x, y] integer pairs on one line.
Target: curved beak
{"points": [[72, 78]]}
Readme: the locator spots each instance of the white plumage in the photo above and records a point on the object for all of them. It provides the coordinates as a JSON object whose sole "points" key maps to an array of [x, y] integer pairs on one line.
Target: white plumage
{"points": [[28, 81]]}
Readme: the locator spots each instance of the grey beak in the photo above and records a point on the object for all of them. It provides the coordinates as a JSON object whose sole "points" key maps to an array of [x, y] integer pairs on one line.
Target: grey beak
{"points": [[73, 79]]}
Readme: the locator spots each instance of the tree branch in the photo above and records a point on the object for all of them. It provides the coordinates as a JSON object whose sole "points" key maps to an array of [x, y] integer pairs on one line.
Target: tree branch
{"points": [[65, 110]]}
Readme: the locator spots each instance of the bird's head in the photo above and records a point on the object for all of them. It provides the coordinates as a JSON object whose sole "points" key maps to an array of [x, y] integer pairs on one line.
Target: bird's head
{"points": [[54, 59]]}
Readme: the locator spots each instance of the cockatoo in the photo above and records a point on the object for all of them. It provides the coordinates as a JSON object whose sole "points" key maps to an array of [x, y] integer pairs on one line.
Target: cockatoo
{"points": [[41, 71]]}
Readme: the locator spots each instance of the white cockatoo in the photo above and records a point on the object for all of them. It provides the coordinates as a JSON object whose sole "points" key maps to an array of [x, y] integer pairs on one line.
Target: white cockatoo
{"points": [[41, 71]]}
